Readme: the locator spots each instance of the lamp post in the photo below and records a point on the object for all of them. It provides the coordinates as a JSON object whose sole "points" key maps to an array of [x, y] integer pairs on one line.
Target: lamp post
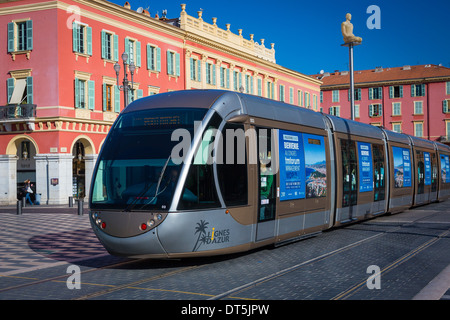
{"points": [[125, 87]]}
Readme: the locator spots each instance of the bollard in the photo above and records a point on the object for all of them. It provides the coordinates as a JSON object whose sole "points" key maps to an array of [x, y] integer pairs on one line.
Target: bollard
{"points": [[80, 207], [19, 207], [70, 202], [24, 202]]}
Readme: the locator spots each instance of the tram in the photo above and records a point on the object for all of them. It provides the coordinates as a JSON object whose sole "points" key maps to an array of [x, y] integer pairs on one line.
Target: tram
{"points": [[208, 172]]}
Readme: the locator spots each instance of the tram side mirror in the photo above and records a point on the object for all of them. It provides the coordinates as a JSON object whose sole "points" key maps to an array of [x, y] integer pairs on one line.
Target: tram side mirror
{"points": [[238, 119]]}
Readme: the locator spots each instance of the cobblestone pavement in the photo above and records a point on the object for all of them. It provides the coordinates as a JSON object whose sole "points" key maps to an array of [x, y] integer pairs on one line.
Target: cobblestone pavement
{"points": [[403, 253]]}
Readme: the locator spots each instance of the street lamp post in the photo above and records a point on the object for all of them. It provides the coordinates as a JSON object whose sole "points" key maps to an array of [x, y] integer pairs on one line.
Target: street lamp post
{"points": [[125, 87]]}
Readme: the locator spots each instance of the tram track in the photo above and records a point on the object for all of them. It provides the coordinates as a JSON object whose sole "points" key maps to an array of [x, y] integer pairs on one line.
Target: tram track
{"points": [[234, 292], [352, 290]]}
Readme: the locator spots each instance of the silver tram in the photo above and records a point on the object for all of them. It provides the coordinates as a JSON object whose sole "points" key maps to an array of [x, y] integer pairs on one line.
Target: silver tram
{"points": [[206, 172]]}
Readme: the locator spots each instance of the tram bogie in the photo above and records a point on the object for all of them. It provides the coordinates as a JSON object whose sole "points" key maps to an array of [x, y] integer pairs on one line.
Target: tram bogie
{"points": [[208, 172]]}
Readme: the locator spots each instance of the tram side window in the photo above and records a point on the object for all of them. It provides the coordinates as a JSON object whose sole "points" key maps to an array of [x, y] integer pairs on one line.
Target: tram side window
{"points": [[420, 172], [350, 171], [199, 189], [232, 170], [379, 176], [434, 172]]}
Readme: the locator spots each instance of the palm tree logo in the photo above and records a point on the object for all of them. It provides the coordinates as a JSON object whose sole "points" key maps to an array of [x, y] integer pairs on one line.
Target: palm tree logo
{"points": [[201, 230]]}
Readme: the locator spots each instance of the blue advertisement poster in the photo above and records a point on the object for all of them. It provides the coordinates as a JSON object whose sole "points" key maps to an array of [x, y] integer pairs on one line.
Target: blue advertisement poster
{"points": [[445, 168], [303, 167], [365, 167], [315, 166], [292, 165], [402, 167], [427, 165]]}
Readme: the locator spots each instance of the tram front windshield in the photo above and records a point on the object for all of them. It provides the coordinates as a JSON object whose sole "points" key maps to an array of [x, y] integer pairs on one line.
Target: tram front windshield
{"points": [[135, 170]]}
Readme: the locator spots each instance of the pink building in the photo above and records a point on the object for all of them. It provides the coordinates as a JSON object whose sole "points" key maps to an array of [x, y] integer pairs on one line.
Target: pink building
{"points": [[409, 99], [59, 94]]}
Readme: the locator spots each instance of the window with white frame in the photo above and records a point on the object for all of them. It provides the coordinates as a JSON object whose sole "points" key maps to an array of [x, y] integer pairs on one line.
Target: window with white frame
{"points": [[397, 127], [356, 110], [396, 109], [335, 96], [418, 90], [335, 111], [446, 106], [81, 38], [375, 110], [376, 93], [19, 90], [300, 98], [418, 107], [357, 94], [418, 129], [133, 49], [173, 63], [20, 35], [395, 92], [110, 46], [447, 87], [153, 58], [196, 69], [281, 92], [210, 70]]}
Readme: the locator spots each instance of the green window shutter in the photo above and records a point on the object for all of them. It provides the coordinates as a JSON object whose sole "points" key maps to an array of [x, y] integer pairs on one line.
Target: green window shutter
{"points": [[89, 40], [29, 34], [116, 99], [380, 91], [116, 47], [228, 78], [401, 91], [75, 33], [391, 92], [104, 97], [127, 47], [30, 90], [199, 70], [208, 73], [103, 38], [423, 89], [158, 59], [10, 88], [413, 90], [169, 63], [192, 69], [444, 105], [11, 37], [177, 65], [259, 87], [91, 95], [370, 93], [149, 57], [138, 54], [140, 93], [77, 93]]}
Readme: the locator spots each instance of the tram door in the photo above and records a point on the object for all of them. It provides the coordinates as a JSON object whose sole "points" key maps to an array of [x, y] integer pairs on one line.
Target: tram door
{"points": [[267, 174]]}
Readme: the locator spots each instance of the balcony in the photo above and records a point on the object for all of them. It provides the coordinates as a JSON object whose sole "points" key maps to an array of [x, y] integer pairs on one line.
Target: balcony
{"points": [[18, 114]]}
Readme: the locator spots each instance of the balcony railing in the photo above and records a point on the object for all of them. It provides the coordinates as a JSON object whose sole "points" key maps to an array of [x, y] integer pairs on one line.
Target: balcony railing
{"points": [[17, 112]]}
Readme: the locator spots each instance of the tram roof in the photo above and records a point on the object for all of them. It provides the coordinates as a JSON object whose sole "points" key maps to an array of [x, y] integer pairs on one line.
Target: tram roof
{"points": [[227, 102]]}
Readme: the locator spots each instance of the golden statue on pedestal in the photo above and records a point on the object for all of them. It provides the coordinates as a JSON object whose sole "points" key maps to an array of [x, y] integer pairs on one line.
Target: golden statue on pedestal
{"points": [[347, 30]]}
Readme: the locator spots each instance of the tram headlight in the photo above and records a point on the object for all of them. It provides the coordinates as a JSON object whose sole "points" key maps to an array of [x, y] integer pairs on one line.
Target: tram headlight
{"points": [[151, 223], [159, 216]]}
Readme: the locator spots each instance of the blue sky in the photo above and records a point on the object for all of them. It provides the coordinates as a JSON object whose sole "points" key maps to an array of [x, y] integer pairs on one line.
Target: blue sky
{"points": [[307, 34]]}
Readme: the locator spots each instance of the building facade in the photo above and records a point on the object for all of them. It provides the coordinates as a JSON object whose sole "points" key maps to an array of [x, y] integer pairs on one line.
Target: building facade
{"points": [[411, 99], [59, 94]]}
